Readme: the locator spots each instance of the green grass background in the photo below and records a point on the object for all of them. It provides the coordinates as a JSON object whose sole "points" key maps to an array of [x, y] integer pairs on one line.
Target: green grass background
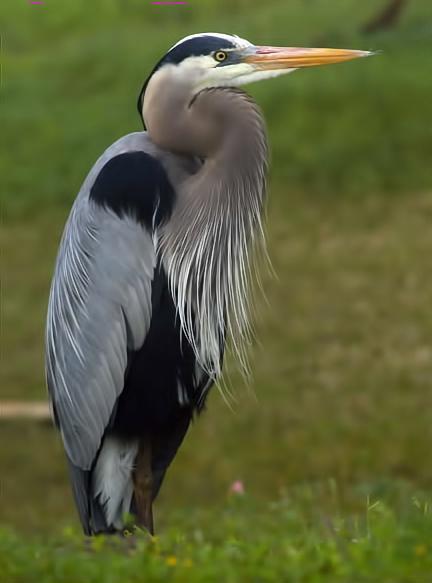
{"points": [[340, 408]]}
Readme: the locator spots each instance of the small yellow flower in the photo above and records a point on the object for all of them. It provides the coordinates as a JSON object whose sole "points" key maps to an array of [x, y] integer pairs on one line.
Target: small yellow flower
{"points": [[420, 550], [171, 561]]}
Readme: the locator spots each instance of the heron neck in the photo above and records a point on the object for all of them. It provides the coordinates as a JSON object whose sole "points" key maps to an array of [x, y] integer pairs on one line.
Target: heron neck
{"points": [[239, 145], [207, 245]]}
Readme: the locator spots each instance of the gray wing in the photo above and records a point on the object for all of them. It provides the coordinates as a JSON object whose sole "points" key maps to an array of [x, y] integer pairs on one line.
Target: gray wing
{"points": [[99, 309]]}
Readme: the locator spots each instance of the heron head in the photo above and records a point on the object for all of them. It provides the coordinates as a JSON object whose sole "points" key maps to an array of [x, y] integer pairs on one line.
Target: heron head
{"points": [[206, 60]]}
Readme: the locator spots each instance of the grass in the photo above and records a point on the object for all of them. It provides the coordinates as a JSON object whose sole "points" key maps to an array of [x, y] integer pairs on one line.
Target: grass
{"points": [[342, 366], [292, 539]]}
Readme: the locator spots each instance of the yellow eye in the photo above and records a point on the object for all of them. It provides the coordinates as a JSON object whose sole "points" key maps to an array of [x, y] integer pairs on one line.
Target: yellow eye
{"points": [[220, 56]]}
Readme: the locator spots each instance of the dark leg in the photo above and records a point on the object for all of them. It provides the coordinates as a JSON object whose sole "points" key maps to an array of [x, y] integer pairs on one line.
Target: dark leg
{"points": [[143, 485]]}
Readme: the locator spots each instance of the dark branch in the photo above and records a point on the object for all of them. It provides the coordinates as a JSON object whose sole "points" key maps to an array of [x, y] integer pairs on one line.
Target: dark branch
{"points": [[387, 18]]}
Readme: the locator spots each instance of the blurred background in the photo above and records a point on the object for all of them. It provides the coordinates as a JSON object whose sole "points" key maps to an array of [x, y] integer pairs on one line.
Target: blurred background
{"points": [[341, 395]]}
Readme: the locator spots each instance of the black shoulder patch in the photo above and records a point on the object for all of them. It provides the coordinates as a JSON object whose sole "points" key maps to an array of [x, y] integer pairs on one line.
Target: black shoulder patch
{"points": [[135, 183]]}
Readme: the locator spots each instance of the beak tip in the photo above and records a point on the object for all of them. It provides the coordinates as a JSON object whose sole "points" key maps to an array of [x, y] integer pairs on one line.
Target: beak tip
{"points": [[370, 53]]}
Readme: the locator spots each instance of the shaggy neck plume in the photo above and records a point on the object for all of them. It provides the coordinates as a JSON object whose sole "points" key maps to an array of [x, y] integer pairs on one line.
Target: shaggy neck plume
{"points": [[209, 244]]}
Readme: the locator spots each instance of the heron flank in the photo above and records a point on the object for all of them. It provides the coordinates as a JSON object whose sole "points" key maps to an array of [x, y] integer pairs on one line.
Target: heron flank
{"points": [[154, 268]]}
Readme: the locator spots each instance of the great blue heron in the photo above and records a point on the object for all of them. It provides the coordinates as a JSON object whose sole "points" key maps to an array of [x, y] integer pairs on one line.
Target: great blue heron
{"points": [[153, 269]]}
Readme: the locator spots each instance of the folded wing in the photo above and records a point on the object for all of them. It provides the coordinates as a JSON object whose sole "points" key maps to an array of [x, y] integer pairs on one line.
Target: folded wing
{"points": [[100, 301]]}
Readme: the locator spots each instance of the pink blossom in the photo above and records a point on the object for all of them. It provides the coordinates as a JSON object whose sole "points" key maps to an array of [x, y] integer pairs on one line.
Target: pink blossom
{"points": [[237, 487]]}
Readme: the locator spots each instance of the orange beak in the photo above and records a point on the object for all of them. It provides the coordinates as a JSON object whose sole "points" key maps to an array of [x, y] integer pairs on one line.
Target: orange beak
{"points": [[295, 57]]}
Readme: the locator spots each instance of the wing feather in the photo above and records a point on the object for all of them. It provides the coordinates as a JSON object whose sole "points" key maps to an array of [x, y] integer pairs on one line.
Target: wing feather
{"points": [[99, 309]]}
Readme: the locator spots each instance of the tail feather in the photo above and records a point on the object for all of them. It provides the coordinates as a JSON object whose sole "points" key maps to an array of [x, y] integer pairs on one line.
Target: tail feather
{"points": [[80, 480], [90, 510], [94, 510]]}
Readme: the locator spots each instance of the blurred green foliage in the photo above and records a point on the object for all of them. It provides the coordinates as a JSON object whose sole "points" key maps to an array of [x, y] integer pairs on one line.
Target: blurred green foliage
{"points": [[343, 367], [72, 72]]}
